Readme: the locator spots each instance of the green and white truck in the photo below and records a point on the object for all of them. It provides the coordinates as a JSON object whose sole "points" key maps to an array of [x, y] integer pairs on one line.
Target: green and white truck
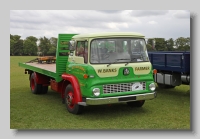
{"points": [[96, 69]]}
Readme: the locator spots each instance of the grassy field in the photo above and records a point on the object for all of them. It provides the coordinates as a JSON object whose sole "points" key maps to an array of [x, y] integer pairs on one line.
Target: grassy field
{"points": [[170, 110]]}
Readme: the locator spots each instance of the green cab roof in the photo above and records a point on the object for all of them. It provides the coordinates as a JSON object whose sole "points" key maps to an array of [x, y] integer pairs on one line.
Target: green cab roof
{"points": [[109, 34]]}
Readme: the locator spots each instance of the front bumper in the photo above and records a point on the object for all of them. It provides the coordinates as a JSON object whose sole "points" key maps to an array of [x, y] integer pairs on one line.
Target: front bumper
{"points": [[118, 99]]}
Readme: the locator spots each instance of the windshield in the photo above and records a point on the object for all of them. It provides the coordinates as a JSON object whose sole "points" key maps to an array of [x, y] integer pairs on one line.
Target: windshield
{"points": [[118, 50]]}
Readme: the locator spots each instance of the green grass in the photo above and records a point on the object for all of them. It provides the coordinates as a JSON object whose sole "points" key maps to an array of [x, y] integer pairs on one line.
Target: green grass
{"points": [[170, 110]]}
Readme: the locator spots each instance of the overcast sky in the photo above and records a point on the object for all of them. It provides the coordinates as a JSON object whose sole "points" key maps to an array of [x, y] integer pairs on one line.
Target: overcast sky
{"points": [[49, 23]]}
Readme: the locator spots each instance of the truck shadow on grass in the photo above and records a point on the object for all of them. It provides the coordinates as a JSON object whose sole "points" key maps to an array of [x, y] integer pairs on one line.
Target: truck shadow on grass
{"points": [[174, 91], [108, 109], [97, 109], [121, 109], [113, 110]]}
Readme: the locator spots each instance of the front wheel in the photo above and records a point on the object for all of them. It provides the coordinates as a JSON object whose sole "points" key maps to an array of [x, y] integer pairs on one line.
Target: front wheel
{"points": [[71, 105], [139, 103]]}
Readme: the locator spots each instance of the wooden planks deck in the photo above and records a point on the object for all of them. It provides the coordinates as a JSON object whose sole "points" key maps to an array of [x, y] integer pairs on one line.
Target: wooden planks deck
{"points": [[49, 67]]}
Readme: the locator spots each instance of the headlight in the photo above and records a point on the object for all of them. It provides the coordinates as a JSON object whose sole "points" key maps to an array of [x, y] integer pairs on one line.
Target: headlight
{"points": [[96, 91], [152, 86]]}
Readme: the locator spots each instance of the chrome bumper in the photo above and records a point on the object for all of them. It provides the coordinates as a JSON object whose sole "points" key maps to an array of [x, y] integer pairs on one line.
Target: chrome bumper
{"points": [[118, 99]]}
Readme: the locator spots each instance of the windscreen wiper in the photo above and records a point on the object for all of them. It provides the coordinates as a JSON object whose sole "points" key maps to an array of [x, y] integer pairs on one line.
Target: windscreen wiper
{"points": [[118, 60]]}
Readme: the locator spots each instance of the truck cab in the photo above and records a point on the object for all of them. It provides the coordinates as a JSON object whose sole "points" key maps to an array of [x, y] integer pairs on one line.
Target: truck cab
{"points": [[111, 68]]}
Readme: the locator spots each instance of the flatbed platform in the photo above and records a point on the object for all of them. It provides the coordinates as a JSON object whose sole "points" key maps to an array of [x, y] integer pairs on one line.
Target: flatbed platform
{"points": [[45, 66]]}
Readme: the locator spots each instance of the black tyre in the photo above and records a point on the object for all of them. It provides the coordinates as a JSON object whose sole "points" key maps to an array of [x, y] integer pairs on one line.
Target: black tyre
{"points": [[72, 107], [44, 89], [35, 88], [136, 103]]}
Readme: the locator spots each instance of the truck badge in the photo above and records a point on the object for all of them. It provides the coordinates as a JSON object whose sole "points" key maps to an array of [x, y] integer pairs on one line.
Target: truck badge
{"points": [[126, 71]]}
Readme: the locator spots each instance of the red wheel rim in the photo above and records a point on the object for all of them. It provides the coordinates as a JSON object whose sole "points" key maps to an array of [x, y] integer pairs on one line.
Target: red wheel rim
{"points": [[70, 100], [32, 84]]}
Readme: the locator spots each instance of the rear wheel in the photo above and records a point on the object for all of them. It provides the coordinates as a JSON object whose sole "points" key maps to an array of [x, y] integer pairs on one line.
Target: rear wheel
{"points": [[139, 103], [71, 105], [35, 88], [44, 89]]}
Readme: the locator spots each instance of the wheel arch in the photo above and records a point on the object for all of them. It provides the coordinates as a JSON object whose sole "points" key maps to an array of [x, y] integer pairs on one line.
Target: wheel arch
{"points": [[70, 79], [64, 85]]}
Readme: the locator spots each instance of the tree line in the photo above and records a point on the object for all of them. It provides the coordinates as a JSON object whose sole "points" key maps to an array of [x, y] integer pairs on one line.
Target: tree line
{"points": [[180, 44], [32, 46]]}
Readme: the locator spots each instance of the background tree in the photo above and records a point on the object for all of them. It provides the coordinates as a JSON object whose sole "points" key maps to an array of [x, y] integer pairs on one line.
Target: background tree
{"points": [[170, 44], [16, 45], [53, 46], [12, 43], [45, 45], [53, 41], [151, 45], [187, 46], [150, 48], [30, 46], [160, 44], [182, 44]]}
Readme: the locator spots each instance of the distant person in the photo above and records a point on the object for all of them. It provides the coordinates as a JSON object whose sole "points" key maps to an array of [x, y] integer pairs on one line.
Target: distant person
{"points": [[85, 54], [80, 50]]}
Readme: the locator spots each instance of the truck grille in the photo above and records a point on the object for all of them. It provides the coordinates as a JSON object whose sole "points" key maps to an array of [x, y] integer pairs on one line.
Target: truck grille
{"points": [[123, 87]]}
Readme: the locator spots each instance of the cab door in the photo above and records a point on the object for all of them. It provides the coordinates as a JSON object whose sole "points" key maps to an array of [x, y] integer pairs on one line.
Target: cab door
{"points": [[81, 52]]}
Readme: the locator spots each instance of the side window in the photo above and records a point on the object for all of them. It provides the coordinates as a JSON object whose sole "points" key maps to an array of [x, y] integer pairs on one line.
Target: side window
{"points": [[79, 48], [82, 50]]}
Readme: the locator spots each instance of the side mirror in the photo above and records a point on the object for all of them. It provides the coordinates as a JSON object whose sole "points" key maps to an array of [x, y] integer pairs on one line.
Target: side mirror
{"points": [[72, 45], [71, 53]]}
